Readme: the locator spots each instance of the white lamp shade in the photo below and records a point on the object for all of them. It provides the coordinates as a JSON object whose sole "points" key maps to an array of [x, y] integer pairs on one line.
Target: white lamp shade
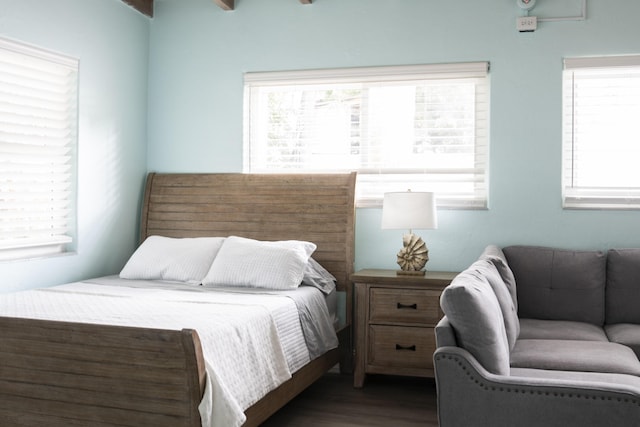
{"points": [[409, 210]]}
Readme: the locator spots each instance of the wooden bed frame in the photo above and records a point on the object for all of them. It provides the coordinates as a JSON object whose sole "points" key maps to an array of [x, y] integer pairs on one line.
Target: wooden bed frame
{"points": [[59, 374]]}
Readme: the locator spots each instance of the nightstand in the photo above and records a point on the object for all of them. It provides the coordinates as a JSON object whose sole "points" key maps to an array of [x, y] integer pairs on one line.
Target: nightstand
{"points": [[395, 318]]}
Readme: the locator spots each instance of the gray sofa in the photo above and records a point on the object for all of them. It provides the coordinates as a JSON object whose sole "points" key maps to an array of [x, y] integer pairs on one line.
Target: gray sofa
{"points": [[537, 336]]}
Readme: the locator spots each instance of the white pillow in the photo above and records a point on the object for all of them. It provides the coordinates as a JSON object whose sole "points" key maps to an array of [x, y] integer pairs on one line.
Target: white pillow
{"points": [[165, 258], [253, 263], [317, 276]]}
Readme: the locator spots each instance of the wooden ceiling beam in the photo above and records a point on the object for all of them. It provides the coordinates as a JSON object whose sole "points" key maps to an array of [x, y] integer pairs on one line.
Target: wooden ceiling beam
{"points": [[146, 6], [142, 6], [230, 4], [225, 4]]}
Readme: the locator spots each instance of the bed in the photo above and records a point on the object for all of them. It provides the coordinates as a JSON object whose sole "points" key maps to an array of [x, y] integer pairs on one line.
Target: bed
{"points": [[71, 373]]}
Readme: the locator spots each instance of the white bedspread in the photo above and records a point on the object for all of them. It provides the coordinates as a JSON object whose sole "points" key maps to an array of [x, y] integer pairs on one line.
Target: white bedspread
{"points": [[251, 342]]}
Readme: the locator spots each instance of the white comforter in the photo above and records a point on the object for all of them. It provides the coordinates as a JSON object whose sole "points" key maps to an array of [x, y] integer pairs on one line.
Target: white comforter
{"points": [[262, 336]]}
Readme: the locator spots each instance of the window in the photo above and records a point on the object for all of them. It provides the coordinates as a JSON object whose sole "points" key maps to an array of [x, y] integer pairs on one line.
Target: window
{"points": [[423, 128], [38, 132], [601, 134]]}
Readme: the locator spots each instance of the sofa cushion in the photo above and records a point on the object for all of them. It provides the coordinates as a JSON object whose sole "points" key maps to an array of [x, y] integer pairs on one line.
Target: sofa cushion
{"points": [[571, 355], [558, 284], [623, 286], [561, 330], [472, 308], [591, 377], [625, 333], [496, 256], [486, 268]]}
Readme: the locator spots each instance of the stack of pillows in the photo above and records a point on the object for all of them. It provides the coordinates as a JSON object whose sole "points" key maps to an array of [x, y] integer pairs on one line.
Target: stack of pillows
{"points": [[229, 262]]}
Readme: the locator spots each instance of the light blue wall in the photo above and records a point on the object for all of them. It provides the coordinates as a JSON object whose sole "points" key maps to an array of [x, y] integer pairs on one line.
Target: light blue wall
{"points": [[199, 54], [193, 55], [112, 42]]}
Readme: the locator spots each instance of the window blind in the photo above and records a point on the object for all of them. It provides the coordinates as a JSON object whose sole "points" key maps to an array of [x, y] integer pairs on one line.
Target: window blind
{"points": [[38, 133], [601, 137], [422, 127]]}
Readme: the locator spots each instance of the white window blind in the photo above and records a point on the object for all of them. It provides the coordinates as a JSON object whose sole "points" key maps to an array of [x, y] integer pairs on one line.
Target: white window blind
{"points": [[38, 133], [601, 133], [423, 128]]}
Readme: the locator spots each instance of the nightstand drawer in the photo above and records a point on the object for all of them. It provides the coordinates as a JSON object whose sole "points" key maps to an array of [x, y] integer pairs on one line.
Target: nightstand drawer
{"points": [[416, 306], [401, 347]]}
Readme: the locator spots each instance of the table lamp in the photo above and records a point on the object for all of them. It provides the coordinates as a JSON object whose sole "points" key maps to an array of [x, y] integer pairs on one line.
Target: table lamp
{"points": [[410, 210]]}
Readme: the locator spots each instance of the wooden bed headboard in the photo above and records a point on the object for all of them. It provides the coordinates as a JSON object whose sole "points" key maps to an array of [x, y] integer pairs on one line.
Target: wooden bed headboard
{"points": [[313, 207]]}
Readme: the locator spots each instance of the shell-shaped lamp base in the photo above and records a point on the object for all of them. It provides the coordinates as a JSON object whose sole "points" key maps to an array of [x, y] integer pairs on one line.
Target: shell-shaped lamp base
{"points": [[414, 254]]}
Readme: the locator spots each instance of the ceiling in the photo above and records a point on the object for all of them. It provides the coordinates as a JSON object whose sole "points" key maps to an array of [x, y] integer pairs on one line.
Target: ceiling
{"points": [[146, 6]]}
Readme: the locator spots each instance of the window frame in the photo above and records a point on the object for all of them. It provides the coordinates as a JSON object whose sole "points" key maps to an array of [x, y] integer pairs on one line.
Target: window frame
{"points": [[38, 138], [575, 196], [453, 72]]}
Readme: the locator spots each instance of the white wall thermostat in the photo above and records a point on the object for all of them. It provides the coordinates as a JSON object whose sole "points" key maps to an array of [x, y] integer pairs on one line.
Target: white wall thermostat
{"points": [[526, 4]]}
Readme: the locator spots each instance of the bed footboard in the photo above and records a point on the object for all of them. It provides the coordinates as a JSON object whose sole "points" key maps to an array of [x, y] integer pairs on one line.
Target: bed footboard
{"points": [[59, 374]]}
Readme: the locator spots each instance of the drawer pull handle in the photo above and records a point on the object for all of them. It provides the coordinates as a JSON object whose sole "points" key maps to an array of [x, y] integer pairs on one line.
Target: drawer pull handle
{"points": [[405, 347], [407, 306]]}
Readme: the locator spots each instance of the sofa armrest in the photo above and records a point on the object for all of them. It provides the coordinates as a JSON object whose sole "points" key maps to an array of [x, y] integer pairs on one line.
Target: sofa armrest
{"points": [[468, 395], [445, 334]]}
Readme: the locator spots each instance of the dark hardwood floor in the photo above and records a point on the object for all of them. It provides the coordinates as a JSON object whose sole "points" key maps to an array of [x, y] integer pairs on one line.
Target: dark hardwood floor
{"points": [[384, 401]]}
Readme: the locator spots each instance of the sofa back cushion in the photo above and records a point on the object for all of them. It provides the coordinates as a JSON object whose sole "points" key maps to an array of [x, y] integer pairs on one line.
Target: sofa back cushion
{"points": [[497, 257], [472, 309], [623, 286], [487, 268], [558, 284]]}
